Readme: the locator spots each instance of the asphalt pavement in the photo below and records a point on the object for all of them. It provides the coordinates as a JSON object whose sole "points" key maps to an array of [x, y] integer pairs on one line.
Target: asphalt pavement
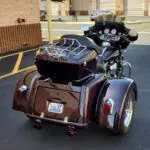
{"points": [[17, 133], [17, 62]]}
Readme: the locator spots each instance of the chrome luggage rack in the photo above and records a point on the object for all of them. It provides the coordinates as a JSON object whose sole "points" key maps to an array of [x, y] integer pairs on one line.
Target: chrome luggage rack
{"points": [[65, 47]]}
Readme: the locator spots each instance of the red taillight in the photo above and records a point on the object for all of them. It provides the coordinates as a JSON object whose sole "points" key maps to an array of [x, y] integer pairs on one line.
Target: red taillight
{"points": [[19, 93], [22, 91], [39, 56], [108, 106]]}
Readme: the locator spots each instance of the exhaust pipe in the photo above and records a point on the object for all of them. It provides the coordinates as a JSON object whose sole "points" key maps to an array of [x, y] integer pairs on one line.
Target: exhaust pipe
{"points": [[71, 130], [37, 123]]}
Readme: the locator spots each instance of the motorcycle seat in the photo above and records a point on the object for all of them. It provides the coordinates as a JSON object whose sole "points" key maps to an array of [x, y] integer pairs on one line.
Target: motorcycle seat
{"points": [[85, 41]]}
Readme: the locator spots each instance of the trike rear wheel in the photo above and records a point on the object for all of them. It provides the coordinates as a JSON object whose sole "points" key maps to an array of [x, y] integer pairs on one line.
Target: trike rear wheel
{"points": [[127, 114]]}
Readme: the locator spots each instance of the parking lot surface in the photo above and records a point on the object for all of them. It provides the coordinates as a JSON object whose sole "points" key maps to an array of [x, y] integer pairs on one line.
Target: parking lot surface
{"points": [[17, 133], [17, 62]]}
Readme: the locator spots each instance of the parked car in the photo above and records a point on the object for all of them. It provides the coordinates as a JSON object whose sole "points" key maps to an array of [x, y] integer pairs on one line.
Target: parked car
{"points": [[99, 13]]}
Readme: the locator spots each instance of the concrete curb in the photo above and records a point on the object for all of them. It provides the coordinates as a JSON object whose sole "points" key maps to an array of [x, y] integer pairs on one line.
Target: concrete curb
{"points": [[137, 22], [91, 23]]}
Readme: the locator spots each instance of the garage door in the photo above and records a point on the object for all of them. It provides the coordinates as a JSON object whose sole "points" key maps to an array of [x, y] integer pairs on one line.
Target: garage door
{"points": [[108, 4], [134, 7], [54, 8]]}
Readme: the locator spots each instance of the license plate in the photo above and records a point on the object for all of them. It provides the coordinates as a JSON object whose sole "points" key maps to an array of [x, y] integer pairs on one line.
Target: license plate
{"points": [[55, 108]]}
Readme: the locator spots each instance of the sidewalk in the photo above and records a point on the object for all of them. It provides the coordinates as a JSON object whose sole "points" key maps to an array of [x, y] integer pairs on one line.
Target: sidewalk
{"points": [[86, 19]]}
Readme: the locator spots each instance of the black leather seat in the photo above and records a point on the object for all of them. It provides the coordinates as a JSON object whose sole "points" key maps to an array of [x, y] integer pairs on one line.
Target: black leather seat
{"points": [[85, 42]]}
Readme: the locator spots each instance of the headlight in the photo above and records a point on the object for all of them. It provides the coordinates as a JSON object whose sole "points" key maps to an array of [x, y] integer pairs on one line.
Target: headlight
{"points": [[113, 31], [100, 32], [106, 44], [106, 31]]}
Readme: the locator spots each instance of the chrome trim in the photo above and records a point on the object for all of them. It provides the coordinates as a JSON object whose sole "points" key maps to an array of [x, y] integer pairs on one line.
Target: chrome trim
{"points": [[128, 113], [23, 88], [125, 63], [110, 121], [55, 50], [35, 77], [123, 101], [58, 121]]}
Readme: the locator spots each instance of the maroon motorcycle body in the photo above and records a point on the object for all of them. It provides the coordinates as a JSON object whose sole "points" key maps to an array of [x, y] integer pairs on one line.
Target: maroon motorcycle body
{"points": [[70, 90]]}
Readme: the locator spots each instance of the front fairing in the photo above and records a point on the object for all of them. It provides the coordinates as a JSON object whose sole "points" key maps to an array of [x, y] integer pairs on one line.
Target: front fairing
{"points": [[109, 53]]}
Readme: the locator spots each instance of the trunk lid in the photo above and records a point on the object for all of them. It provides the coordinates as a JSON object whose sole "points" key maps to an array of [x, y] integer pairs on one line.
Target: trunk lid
{"points": [[50, 101]]}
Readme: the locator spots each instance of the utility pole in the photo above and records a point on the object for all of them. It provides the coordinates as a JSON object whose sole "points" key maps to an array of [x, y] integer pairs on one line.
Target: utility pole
{"points": [[97, 4], [49, 15], [146, 4], [90, 6]]}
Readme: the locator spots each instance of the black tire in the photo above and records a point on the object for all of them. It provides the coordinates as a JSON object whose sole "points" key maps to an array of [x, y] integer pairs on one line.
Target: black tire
{"points": [[37, 124], [122, 128]]}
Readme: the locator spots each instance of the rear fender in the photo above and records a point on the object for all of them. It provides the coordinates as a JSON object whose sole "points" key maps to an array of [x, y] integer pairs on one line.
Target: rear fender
{"points": [[117, 90], [20, 103]]}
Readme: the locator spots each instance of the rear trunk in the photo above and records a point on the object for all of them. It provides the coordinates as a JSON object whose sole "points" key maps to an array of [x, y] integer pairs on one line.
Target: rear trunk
{"points": [[64, 72]]}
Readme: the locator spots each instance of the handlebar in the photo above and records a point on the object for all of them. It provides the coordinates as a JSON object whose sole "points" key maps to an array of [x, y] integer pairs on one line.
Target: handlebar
{"points": [[122, 37]]}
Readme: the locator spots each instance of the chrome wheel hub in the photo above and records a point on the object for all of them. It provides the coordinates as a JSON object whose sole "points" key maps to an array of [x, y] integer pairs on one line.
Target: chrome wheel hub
{"points": [[128, 113]]}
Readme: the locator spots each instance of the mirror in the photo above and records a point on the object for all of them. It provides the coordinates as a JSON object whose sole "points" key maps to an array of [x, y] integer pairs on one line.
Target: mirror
{"points": [[85, 28], [133, 33]]}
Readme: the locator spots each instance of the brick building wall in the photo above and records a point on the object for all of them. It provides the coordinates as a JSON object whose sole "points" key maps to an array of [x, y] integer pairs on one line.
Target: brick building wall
{"points": [[19, 24], [120, 7]]}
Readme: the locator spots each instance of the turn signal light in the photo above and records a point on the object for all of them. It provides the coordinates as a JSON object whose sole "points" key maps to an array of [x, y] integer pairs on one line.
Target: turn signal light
{"points": [[22, 91], [39, 55], [108, 106]]}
